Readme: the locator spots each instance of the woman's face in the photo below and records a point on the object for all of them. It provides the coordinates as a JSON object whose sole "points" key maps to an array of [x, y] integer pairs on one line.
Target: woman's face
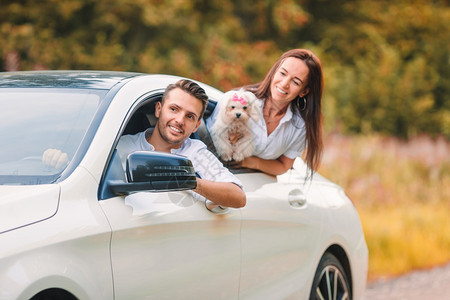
{"points": [[290, 80]]}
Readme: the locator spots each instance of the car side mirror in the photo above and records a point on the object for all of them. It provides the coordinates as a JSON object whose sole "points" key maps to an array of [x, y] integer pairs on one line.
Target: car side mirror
{"points": [[155, 172]]}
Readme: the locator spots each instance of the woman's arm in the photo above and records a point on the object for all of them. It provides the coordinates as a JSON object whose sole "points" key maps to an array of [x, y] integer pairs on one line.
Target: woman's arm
{"points": [[225, 194], [270, 166]]}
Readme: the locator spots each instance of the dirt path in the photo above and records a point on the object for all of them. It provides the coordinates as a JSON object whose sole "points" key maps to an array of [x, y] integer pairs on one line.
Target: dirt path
{"points": [[428, 284]]}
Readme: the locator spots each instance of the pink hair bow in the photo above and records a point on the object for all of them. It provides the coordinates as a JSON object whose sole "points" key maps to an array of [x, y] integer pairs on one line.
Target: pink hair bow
{"points": [[239, 99]]}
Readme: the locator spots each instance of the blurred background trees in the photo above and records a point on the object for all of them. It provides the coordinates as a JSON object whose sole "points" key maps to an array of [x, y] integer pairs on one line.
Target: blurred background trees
{"points": [[386, 63]]}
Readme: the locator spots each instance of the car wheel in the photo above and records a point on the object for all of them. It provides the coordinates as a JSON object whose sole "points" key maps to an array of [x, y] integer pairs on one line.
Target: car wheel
{"points": [[330, 280]]}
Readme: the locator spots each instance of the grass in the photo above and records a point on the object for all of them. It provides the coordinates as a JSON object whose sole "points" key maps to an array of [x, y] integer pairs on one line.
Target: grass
{"points": [[401, 190]]}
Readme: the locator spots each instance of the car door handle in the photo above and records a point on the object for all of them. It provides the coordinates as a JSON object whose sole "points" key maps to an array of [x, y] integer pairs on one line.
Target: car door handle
{"points": [[296, 198], [215, 208]]}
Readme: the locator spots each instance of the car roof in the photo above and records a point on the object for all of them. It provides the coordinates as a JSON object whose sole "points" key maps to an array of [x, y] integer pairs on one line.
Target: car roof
{"points": [[64, 79]]}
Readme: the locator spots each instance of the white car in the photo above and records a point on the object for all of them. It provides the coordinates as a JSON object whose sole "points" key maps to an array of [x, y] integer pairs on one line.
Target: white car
{"points": [[80, 230]]}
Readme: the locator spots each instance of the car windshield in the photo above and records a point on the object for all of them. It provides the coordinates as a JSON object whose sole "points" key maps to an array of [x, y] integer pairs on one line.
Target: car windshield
{"points": [[35, 120]]}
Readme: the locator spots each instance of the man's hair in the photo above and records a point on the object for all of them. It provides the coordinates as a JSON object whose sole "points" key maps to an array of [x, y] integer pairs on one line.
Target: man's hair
{"points": [[192, 89]]}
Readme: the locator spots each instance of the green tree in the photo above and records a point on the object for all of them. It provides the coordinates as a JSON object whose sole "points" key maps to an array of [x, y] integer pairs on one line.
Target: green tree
{"points": [[391, 65]]}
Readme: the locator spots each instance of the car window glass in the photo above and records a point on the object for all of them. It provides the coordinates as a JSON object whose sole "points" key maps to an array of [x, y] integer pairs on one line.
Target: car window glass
{"points": [[32, 122]]}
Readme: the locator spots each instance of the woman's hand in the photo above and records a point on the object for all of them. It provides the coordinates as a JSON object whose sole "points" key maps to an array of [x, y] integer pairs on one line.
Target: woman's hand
{"points": [[248, 162], [251, 162], [234, 137]]}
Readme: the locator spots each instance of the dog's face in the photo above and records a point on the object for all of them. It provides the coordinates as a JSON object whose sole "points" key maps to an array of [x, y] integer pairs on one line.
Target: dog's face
{"points": [[240, 106]]}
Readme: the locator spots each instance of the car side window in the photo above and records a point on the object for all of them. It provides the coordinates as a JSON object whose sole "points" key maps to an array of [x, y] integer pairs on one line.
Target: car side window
{"points": [[141, 119], [144, 117]]}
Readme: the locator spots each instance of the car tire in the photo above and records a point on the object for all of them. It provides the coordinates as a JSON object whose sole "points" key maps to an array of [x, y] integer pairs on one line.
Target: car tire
{"points": [[330, 280]]}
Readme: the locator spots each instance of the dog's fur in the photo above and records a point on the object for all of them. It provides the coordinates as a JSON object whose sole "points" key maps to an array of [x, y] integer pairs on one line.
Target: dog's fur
{"points": [[236, 108]]}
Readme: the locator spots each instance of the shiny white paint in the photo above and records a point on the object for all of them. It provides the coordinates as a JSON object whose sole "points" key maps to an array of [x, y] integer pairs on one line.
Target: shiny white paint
{"points": [[168, 245], [17, 210], [341, 223], [278, 242], [171, 245], [70, 250]]}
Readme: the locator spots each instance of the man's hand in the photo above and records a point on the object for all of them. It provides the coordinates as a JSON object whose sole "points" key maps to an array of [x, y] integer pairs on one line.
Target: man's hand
{"points": [[226, 194], [55, 158]]}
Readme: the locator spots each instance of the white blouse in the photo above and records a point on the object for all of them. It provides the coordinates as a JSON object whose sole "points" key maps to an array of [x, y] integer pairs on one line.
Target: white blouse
{"points": [[287, 139]]}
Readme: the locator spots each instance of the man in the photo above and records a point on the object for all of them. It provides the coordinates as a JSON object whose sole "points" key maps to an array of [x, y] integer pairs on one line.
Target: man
{"points": [[179, 114]]}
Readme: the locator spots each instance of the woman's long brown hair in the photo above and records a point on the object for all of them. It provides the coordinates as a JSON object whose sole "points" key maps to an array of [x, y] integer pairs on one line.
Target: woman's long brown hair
{"points": [[312, 113]]}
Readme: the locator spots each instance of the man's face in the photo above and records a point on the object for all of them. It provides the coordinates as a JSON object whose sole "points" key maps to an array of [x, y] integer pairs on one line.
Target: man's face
{"points": [[178, 117]]}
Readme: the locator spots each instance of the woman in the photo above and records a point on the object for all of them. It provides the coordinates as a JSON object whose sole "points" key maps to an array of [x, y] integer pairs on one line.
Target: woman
{"points": [[291, 117]]}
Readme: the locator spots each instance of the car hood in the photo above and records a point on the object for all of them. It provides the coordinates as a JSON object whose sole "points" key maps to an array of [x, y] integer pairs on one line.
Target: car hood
{"points": [[23, 205]]}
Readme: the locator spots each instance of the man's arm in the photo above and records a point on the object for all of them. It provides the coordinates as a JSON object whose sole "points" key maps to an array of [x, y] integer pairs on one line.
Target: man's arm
{"points": [[225, 194]]}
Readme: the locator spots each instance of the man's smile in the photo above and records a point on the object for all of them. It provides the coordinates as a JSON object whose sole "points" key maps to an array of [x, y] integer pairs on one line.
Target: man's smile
{"points": [[175, 129]]}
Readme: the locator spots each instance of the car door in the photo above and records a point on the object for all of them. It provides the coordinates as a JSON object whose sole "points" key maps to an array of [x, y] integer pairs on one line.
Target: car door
{"points": [[280, 230], [168, 245]]}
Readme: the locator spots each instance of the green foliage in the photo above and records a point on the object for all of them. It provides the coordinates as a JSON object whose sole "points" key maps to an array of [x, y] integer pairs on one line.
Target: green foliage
{"points": [[393, 75], [386, 63]]}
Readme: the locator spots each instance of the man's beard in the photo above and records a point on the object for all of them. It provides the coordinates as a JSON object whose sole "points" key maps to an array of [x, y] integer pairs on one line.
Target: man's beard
{"points": [[163, 129]]}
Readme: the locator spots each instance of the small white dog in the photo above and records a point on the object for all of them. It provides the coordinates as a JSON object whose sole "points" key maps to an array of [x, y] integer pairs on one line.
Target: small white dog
{"points": [[235, 110]]}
